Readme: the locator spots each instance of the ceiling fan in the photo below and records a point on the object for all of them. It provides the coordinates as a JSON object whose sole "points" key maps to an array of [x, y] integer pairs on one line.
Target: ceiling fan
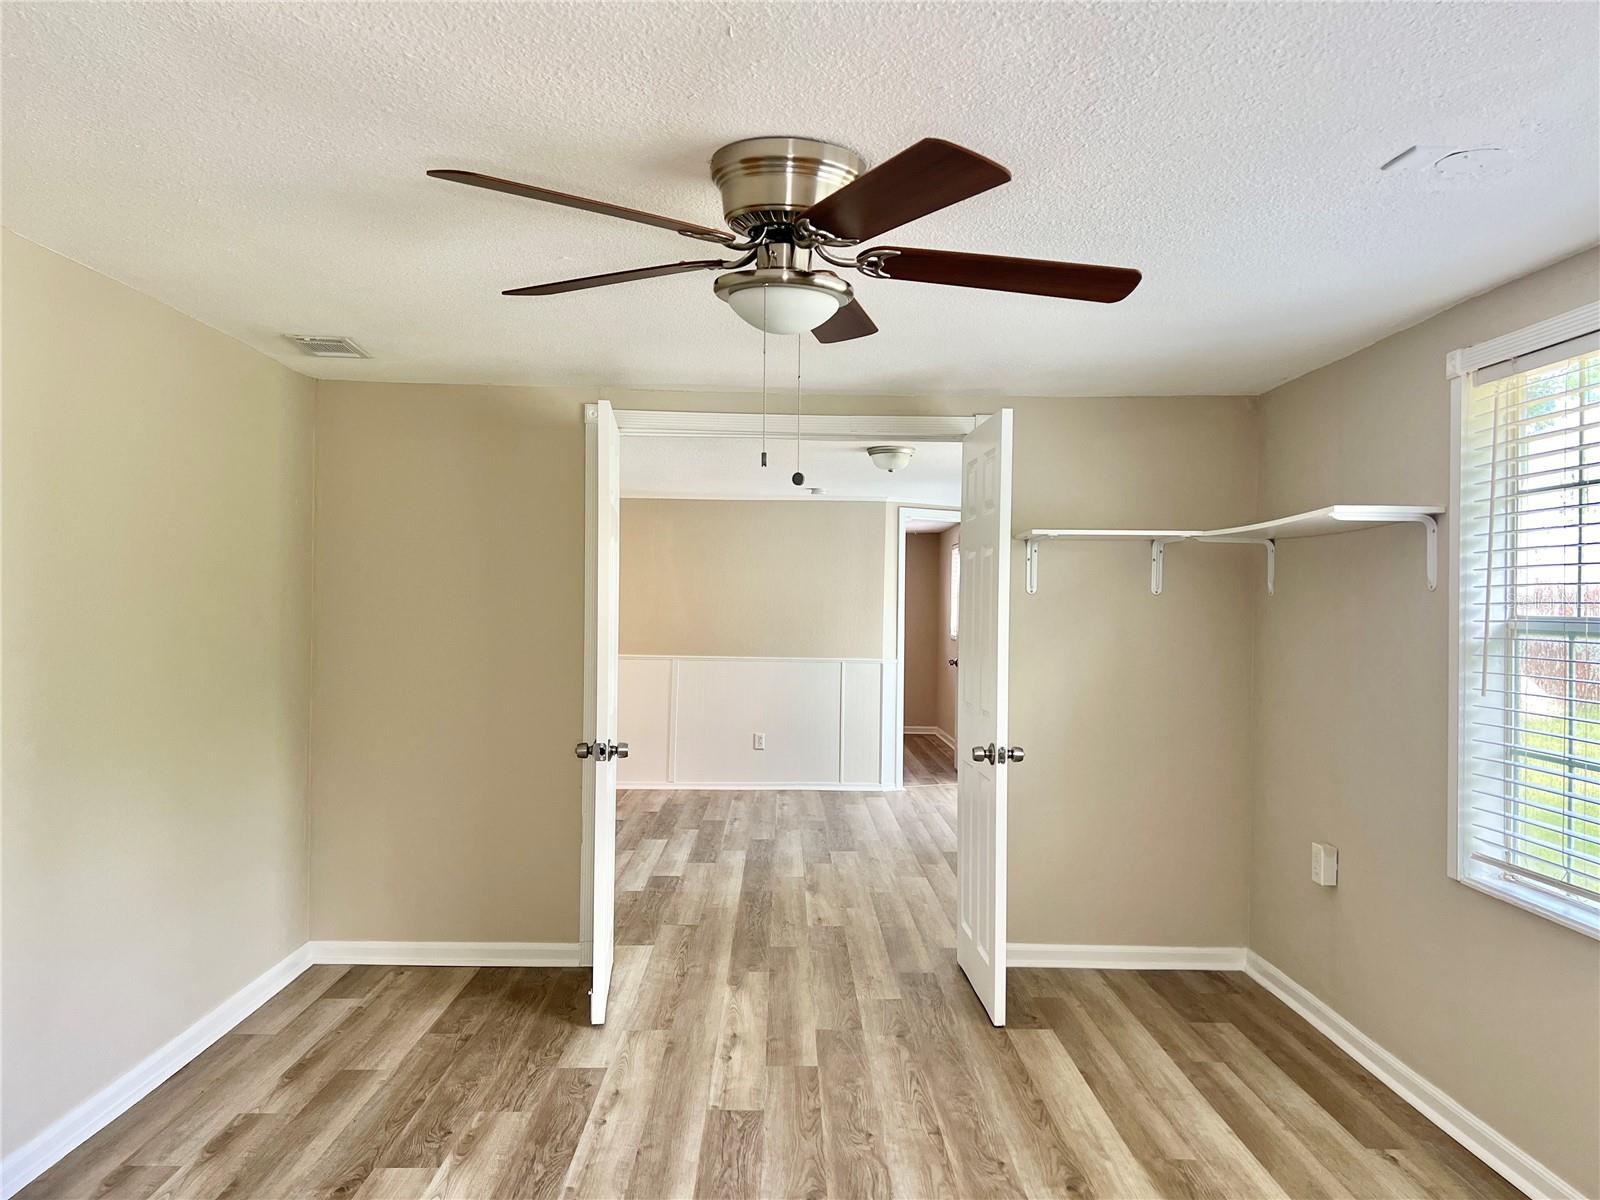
{"points": [[790, 202]]}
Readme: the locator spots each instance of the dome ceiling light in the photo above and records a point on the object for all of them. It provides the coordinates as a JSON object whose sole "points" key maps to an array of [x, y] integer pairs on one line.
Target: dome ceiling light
{"points": [[890, 458]]}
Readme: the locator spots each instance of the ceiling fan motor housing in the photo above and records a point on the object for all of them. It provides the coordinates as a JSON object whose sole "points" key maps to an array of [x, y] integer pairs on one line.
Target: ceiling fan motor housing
{"points": [[772, 180]]}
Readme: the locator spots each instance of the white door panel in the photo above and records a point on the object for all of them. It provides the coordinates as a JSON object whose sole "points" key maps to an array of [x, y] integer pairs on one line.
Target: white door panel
{"points": [[602, 511], [981, 719]]}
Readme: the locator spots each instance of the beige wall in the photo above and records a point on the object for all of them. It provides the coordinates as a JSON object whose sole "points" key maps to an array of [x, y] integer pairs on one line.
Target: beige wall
{"points": [[157, 643], [945, 700], [444, 794], [756, 579], [449, 642], [924, 642], [1498, 1007]]}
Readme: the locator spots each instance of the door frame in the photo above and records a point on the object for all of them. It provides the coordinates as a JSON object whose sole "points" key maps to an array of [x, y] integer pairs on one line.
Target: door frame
{"points": [[909, 514], [817, 427]]}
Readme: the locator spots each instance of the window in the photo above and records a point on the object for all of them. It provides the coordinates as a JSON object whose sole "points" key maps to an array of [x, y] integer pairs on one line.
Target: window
{"points": [[955, 591], [1527, 817]]}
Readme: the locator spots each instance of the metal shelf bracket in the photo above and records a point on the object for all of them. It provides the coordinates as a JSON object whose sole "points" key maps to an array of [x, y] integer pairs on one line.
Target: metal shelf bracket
{"points": [[1431, 525], [1158, 554], [1031, 556], [1272, 556]]}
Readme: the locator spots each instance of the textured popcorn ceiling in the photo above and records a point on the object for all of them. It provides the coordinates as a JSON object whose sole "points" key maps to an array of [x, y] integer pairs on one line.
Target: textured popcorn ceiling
{"points": [[260, 167]]}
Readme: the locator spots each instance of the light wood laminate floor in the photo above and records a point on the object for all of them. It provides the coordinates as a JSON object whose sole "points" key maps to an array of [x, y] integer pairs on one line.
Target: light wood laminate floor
{"points": [[787, 1021], [928, 760]]}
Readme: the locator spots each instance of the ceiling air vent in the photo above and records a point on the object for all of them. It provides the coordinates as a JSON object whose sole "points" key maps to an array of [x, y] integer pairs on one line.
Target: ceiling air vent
{"points": [[326, 347]]}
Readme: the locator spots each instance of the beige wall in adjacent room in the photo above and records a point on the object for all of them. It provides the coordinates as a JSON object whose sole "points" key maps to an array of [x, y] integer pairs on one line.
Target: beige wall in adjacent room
{"points": [[1498, 1007], [922, 666], [756, 578], [945, 699], [156, 646], [448, 684]]}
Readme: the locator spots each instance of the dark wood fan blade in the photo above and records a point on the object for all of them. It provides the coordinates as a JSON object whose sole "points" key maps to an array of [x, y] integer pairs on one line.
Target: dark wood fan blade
{"points": [[1034, 276], [594, 281], [513, 188], [849, 322], [921, 179]]}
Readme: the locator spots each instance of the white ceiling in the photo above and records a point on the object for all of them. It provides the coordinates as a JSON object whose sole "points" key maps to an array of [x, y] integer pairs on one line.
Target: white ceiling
{"points": [[260, 167], [730, 468]]}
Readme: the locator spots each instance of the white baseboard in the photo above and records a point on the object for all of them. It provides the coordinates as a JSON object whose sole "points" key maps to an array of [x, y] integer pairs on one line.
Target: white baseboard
{"points": [[30, 1160], [933, 731], [449, 954], [1130, 958], [1477, 1135], [769, 786]]}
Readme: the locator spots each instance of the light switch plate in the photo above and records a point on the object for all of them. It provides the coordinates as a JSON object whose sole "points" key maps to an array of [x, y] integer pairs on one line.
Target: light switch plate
{"points": [[758, 741]]}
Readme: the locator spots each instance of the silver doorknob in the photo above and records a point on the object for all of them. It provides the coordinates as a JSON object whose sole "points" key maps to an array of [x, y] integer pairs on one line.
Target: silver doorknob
{"points": [[583, 749], [620, 750], [1014, 754], [984, 753]]}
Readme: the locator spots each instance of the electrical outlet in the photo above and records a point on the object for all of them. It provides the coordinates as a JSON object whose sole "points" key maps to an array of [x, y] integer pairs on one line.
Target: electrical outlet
{"points": [[1324, 864], [758, 741]]}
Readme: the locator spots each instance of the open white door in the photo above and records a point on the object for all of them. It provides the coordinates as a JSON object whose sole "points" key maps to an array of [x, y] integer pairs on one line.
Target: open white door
{"points": [[600, 749], [981, 720]]}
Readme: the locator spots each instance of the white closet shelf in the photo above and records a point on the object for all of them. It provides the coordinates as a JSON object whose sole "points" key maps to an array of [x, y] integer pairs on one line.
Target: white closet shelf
{"points": [[1335, 518]]}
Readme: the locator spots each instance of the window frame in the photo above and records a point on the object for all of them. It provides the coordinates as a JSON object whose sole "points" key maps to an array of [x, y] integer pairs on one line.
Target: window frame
{"points": [[1459, 366]]}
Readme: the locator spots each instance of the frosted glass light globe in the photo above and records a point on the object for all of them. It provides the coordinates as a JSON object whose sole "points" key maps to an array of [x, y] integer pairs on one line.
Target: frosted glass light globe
{"points": [[784, 308]]}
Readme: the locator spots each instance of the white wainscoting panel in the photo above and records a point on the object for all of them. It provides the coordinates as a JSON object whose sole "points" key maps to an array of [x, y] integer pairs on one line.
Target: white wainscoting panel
{"points": [[690, 722]]}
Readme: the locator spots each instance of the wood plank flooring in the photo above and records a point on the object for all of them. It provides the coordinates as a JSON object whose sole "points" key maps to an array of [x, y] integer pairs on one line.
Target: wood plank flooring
{"points": [[928, 760], [787, 1021]]}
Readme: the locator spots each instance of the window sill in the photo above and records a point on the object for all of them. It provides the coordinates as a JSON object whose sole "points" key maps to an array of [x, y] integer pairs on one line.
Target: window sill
{"points": [[1577, 917]]}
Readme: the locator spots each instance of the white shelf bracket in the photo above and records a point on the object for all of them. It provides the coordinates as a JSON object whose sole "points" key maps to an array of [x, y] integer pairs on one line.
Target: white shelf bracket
{"points": [[1272, 556], [1031, 557], [1158, 554], [1431, 525]]}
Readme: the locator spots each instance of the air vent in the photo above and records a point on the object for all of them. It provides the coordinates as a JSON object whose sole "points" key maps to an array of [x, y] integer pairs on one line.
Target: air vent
{"points": [[326, 347]]}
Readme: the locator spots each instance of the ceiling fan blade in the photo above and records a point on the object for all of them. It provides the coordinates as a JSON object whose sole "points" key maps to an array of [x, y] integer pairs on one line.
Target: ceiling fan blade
{"points": [[594, 281], [1034, 276], [921, 179], [848, 323], [513, 188]]}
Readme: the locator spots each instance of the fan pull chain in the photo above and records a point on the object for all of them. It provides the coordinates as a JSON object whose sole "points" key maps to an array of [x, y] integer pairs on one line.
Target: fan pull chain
{"points": [[763, 377], [799, 410]]}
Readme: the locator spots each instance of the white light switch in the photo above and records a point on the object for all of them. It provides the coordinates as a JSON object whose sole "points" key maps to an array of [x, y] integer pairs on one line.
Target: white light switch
{"points": [[758, 741], [1324, 864]]}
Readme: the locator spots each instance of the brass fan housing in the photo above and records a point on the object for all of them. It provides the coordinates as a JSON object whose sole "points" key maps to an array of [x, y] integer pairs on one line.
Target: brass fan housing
{"points": [[772, 180]]}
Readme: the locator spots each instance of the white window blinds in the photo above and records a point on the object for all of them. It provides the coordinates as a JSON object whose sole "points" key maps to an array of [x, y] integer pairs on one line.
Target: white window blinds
{"points": [[1528, 821]]}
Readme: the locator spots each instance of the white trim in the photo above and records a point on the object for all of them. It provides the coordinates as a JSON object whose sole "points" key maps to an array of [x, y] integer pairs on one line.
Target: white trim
{"points": [[449, 954], [1477, 1135], [1454, 833], [750, 658], [1575, 323], [34, 1157], [1130, 958], [820, 427], [832, 785]]}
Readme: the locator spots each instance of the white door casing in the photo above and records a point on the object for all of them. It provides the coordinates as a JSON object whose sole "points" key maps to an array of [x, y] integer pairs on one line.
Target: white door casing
{"points": [[981, 716], [601, 511]]}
